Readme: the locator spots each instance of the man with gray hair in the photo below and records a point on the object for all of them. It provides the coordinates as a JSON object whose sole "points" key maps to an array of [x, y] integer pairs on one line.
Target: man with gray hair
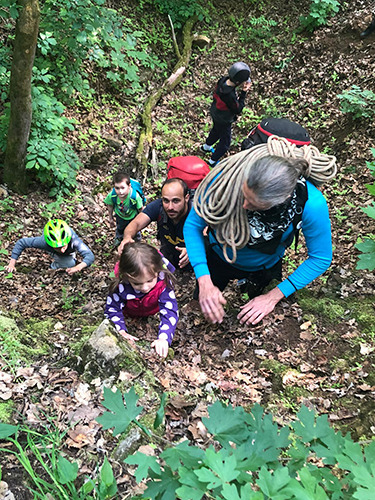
{"points": [[255, 203]]}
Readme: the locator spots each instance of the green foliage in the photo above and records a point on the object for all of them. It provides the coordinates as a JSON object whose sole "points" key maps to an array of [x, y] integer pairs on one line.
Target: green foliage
{"points": [[88, 32], [367, 247], [320, 12], [180, 10], [9, 9], [77, 39], [359, 103], [256, 459], [37, 451], [256, 29], [119, 415]]}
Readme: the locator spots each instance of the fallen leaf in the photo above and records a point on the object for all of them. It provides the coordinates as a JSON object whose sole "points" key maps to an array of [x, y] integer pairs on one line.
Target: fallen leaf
{"points": [[195, 376], [146, 449], [82, 435], [366, 387], [165, 383], [25, 372], [366, 349], [198, 430], [306, 335], [179, 402], [305, 326], [260, 352], [82, 394], [6, 377]]}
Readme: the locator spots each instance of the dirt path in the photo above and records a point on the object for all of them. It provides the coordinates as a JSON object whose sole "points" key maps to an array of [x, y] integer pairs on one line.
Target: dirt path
{"points": [[317, 348]]}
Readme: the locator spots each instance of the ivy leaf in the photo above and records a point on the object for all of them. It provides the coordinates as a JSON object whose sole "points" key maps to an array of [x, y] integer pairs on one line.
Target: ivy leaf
{"points": [[310, 427], [7, 430], [367, 245], [119, 415], [365, 261], [187, 493], [370, 211], [272, 484], [144, 463], [224, 468], [190, 456], [230, 492], [67, 471], [164, 489], [206, 475], [192, 488], [226, 423], [160, 413]]}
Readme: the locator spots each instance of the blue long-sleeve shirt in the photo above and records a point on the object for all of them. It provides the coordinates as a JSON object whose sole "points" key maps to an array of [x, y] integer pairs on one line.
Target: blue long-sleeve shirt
{"points": [[316, 228], [75, 245]]}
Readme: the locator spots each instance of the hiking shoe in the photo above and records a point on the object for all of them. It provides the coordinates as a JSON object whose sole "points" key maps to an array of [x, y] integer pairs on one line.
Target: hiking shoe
{"points": [[205, 148], [212, 163], [368, 31]]}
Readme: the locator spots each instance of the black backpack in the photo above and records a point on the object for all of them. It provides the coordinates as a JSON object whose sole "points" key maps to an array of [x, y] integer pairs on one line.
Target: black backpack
{"points": [[282, 127]]}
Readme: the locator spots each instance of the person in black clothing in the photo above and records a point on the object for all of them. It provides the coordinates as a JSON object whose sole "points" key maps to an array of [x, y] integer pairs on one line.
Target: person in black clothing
{"points": [[169, 212], [371, 28], [226, 107]]}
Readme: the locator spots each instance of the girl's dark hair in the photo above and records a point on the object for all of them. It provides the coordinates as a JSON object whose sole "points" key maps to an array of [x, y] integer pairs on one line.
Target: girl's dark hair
{"points": [[137, 257]]}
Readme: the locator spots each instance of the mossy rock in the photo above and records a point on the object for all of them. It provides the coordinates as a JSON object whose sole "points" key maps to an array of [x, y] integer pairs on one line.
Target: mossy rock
{"points": [[24, 344], [333, 309], [105, 355], [6, 411]]}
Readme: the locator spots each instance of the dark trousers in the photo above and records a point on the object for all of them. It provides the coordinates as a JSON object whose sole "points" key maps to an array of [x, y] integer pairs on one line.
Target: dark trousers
{"points": [[253, 283], [120, 228], [221, 132], [173, 256]]}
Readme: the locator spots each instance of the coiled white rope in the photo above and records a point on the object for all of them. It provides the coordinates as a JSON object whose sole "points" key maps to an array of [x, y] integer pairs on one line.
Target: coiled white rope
{"points": [[219, 198]]}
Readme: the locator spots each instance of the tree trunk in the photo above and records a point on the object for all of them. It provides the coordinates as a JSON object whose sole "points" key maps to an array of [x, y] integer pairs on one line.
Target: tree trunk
{"points": [[20, 94], [145, 137]]}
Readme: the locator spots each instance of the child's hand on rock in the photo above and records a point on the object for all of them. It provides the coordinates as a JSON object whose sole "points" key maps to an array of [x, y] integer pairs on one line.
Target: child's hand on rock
{"points": [[127, 336], [161, 347]]}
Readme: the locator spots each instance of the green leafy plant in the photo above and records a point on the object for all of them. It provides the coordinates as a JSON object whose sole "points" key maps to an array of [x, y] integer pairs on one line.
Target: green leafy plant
{"points": [[180, 10], [367, 246], [256, 29], [78, 42], [253, 458], [38, 451], [359, 103], [320, 12], [121, 415]]}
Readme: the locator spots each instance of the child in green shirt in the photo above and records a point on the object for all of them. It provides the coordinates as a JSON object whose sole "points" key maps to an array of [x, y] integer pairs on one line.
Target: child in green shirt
{"points": [[124, 203]]}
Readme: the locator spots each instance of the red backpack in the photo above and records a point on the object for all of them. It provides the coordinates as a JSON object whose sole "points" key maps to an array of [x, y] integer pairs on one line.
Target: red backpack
{"points": [[190, 169]]}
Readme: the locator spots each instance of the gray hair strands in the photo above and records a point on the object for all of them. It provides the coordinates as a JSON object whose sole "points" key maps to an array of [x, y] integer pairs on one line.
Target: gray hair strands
{"points": [[219, 198]]}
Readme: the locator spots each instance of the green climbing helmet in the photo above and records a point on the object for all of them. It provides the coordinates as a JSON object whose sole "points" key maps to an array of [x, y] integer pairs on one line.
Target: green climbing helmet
{"points": [[57, 233]]}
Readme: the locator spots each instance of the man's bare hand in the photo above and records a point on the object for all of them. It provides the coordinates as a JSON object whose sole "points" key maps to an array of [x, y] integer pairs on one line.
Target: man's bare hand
{"points": [[183, 258], [211, 300]]}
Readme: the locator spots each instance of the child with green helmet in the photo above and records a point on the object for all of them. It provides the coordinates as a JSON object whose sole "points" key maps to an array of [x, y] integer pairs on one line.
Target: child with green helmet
{"points": [[60, 241]]}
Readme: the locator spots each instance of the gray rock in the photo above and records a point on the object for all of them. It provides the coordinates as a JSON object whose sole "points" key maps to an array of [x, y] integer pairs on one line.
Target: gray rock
{"points": [[128, 445], [104, 355], [89, 200]]}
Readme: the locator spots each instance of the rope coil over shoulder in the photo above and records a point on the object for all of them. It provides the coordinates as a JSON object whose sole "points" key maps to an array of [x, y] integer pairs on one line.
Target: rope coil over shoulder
{"points": [[215, 202]]}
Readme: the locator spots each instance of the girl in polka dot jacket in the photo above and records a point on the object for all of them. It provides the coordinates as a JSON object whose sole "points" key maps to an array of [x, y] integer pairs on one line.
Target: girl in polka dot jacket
{"points": [[143, 286]]}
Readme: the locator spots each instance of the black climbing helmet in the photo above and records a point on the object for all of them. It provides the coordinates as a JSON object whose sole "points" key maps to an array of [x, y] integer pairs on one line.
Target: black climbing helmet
{"points": [[239, 72]]}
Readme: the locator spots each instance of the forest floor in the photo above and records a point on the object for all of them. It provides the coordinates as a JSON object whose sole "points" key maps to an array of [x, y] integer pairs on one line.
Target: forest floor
{"points": [[317, 348]]}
